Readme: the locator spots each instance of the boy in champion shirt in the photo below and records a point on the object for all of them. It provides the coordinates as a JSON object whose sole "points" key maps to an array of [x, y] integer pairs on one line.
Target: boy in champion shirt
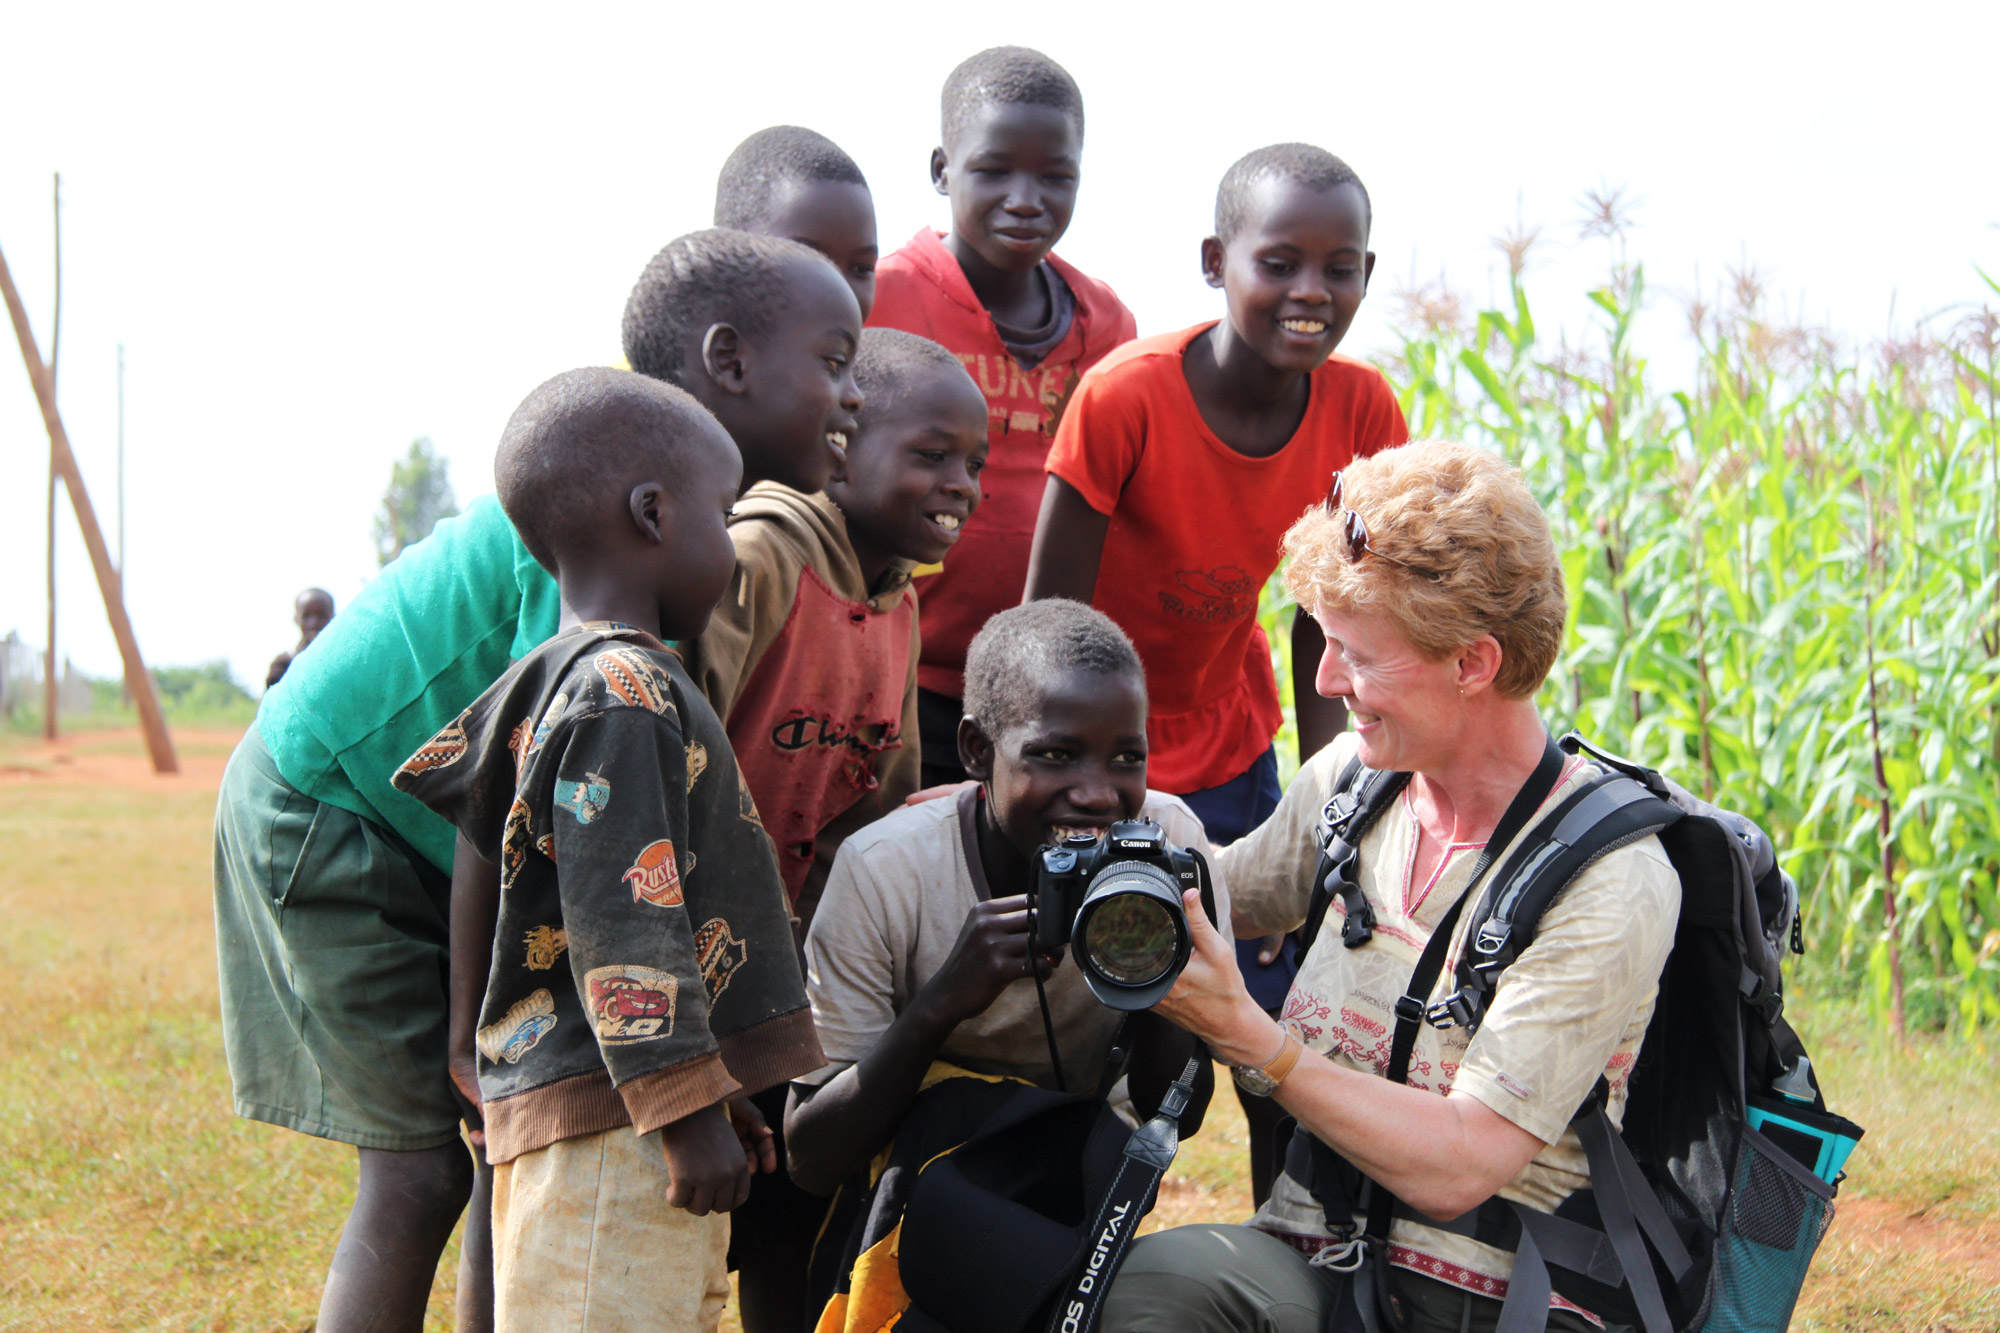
{"points": [[1025, 323], [643, 969], [812, 658]]}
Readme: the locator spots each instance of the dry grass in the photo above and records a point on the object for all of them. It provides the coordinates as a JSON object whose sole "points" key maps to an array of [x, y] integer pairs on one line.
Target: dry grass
{"points": [[131, 1198]]}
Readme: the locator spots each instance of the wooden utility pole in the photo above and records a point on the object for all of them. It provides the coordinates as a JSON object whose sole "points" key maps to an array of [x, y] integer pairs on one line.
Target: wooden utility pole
{"points": [[50, 696], [109, 582]]}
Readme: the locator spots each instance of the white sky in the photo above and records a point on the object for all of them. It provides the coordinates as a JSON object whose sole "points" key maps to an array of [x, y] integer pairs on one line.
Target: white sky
{"points": [[321, 235]]}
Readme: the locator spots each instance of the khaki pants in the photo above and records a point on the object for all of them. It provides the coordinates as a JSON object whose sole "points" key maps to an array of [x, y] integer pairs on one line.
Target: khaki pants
{"points": [[1224, 1279], [584, 1241]]}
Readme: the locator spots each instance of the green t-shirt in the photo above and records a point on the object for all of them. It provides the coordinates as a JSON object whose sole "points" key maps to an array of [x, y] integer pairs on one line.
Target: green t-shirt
{"points": [[409, 654]]}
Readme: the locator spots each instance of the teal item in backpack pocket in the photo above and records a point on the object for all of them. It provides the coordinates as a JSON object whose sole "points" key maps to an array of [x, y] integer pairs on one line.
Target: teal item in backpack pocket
{"points": [[1817, 1140]]}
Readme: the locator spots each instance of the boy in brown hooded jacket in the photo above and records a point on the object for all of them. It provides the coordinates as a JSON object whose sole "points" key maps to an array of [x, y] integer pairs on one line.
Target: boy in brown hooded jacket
{"points": [[811, 658]]}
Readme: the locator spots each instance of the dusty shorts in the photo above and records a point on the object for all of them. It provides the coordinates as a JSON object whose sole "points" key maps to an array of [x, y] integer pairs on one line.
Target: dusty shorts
{"points": [[584, 1241], [330, 938]]}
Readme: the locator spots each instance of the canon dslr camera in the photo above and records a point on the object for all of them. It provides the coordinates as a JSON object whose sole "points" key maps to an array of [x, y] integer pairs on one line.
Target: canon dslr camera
{"points": [[1116, 901]]}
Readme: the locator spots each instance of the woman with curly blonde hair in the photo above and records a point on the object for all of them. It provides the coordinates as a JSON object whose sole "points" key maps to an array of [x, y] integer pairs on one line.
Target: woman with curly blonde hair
{"points": [[1432, 572]]}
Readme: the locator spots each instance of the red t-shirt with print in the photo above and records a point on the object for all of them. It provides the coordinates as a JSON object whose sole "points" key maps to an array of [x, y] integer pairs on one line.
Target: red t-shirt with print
{"points": [[1195, 533], [921, 289]]}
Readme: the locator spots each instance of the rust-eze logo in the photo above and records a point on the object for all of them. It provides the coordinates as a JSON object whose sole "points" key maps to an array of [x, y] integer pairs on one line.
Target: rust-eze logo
{"points": [[720, 953], [630, 1003], [655, 876]]}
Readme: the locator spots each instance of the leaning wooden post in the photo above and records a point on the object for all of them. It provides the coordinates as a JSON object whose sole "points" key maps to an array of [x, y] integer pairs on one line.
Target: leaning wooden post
{"points": [[109, 583]]}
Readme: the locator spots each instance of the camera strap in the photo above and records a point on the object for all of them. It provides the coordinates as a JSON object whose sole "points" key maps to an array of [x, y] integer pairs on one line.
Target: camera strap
{"points": [[1127, 1200]]}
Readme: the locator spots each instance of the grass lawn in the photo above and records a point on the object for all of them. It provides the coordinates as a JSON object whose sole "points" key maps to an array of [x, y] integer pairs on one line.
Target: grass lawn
{"points": [[131, 1198]]}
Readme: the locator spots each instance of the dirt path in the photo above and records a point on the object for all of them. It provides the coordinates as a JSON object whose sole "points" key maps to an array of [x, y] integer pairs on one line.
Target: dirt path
{"points": [[117, 759], [1888, 1226]]}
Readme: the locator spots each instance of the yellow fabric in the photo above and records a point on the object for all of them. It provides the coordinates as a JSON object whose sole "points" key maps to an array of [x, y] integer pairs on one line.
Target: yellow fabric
{"points": [[875, 1299]]}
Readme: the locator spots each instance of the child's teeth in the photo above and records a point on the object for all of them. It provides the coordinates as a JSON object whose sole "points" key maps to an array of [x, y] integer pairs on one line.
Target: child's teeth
{"points": [[1302, 325], [837, 438], [949, 522]]}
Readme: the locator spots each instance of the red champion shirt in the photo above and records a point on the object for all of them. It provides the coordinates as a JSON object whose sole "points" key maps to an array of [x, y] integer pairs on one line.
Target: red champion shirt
{"points": [[921, 289], [1195, 532]]}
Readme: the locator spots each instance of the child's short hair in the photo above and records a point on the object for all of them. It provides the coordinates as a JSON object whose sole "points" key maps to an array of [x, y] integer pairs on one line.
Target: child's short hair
{"points": [[701, 279], [885, 363], [1008, 74], [1012, 659], [579, 434], [767, 159], [1299, 163]]}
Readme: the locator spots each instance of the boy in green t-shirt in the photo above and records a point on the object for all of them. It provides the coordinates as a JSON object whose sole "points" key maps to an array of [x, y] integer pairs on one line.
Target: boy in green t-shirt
{"points": [[332, 887]]}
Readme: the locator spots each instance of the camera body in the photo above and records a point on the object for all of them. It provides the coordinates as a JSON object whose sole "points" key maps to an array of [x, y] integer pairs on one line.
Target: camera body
{"points": [[1116, 901]]}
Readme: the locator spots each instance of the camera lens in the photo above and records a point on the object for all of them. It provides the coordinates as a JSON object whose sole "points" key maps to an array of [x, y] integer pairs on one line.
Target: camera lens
{"points": [[1131, 938]]}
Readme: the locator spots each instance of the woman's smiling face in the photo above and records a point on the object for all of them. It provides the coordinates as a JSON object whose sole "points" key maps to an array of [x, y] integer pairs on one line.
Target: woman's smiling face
{"points": [[1403, 707]]}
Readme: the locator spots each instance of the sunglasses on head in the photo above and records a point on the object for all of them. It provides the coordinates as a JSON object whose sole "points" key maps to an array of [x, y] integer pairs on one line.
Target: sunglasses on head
{"points": [[1355, 529]]}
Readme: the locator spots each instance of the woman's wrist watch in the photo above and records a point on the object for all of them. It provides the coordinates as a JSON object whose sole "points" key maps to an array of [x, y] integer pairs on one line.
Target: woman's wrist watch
{"points": [[1263, 1080]]}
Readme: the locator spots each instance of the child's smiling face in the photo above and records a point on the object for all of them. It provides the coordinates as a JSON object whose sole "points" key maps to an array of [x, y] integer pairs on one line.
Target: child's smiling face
{"points": [[1011, 172], [1295, 272], [911, 478], [1078, 764], [793, 425]]}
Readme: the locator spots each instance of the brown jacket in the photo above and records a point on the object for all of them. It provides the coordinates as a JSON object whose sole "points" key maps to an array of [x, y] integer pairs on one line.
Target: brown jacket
{"points": [[816, 680]]}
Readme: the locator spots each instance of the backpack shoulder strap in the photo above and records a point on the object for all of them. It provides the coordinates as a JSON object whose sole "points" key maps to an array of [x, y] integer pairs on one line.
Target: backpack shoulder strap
{"points": [[1360, 795], [1610, 811]]}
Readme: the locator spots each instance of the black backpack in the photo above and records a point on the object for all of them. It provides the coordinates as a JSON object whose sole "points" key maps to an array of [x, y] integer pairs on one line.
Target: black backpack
{"points": [[1706, 1205]]}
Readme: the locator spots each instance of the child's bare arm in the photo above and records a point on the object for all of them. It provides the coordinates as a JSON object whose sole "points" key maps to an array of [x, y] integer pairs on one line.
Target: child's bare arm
{"points": [[1069, 546], [833, 1131], [1320, 719], [475, 911]]}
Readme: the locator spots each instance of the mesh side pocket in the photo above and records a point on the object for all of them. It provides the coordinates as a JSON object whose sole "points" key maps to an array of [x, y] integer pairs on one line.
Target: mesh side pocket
{"points": [[1778, 1212]]}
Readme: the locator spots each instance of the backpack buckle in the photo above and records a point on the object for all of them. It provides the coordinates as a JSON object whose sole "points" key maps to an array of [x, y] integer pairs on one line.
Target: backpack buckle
{"points": [[1453, 1011], [1359, 927], [1492, 942], [1409, 1009]]}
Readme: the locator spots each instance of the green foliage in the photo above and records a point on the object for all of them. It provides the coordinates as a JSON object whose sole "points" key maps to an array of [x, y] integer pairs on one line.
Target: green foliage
{"points": [[207, 691], [419, 495], [1785, 591], [202, 695]]}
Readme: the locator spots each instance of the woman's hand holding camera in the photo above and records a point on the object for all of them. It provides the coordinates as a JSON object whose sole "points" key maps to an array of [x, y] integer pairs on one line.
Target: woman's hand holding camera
{"points": [[1210, 1001]]}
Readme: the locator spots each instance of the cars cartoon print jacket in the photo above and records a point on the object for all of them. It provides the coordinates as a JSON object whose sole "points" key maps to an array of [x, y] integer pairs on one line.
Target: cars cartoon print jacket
{"points": [[642, 968]]}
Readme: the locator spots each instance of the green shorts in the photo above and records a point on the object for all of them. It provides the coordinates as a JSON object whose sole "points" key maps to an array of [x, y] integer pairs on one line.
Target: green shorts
{"points": [[330, 935]]}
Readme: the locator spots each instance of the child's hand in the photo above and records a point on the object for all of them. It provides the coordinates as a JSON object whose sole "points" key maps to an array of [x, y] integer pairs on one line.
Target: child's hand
{"points": [[706, 1166], [760, 1145], [994, 950], [465, 1078]]}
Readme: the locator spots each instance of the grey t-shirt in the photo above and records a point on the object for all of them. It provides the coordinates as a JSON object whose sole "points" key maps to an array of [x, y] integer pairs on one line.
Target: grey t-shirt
{"points": [[894, 904]]}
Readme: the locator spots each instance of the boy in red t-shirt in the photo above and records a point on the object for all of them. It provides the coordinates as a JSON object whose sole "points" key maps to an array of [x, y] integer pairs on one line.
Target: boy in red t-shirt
{"points": [[1182, 460], [1026, 325]]}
